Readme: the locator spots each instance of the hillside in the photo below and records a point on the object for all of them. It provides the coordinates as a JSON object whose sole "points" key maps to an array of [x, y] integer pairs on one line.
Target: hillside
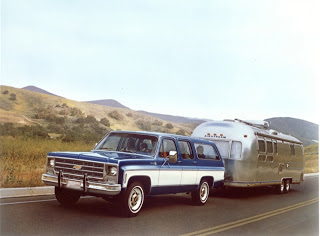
{"points": [[108, 103], [305, 131], [38, 90], [24, 107]]}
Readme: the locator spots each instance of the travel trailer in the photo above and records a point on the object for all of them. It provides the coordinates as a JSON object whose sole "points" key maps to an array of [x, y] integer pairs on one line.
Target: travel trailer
{"points": [[255, 155]]}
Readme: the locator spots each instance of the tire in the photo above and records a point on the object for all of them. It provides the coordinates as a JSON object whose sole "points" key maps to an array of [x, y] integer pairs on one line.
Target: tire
{"points": [[280, 188], [133, 200], [200, 196], [286, 186], [66, 197]]}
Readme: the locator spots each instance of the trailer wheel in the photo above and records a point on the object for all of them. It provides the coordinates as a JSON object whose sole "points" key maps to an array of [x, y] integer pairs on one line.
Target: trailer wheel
{"points": [[280, 188], [286, 186], [200, 196], [66, 197], [132, 200]]}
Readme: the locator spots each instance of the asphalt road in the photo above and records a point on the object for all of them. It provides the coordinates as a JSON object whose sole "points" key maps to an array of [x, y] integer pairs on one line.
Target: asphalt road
{"points": [[233, 212]]}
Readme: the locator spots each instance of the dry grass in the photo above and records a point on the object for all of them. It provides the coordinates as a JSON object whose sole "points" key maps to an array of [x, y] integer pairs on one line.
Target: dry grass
{"points": [[311, 153], [23, 161]]}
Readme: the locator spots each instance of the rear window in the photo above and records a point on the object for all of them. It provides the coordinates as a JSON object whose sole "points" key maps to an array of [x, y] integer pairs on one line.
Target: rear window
{"points": [[223, 147], [206, 151]]}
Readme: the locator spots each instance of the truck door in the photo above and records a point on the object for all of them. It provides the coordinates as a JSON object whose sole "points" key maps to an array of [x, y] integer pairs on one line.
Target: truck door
{"points": [[169, 173], [189, 166]]}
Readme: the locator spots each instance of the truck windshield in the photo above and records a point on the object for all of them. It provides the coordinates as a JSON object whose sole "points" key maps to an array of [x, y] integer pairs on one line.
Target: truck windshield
{"points": [[128, 142]]}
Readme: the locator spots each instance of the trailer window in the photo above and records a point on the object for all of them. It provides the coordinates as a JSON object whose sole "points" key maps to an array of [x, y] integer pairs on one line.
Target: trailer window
{"points": [[269, 147], [236, 148], [262, 146], [292, 150], [223, 147], [275, 145]]}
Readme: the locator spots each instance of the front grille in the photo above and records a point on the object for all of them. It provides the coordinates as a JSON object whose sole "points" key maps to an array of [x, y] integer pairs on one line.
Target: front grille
{"points": [[76, 169]]}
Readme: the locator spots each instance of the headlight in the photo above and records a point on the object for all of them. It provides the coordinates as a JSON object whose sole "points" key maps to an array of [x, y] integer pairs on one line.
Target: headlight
{"points": [[112, 171], [52, 163]]}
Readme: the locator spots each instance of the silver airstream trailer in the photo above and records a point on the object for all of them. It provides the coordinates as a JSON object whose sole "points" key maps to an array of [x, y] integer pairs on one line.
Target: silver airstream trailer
{"points": [[255, 155]]}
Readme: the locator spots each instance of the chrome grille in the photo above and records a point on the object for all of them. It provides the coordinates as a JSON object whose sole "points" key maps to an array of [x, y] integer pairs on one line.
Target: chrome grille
{"points": [[76, 169]]}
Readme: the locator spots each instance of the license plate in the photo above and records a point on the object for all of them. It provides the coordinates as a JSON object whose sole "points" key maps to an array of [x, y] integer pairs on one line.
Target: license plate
{"points": [[73, 184]]}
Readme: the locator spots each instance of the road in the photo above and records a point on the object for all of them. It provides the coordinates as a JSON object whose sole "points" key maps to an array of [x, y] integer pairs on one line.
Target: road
{"points": [[233, 212]]}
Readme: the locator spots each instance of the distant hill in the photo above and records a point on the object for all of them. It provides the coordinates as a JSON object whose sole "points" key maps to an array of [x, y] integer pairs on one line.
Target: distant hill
{"points": [[39, 90], [177, 119], [109, 103], [305, 131]]}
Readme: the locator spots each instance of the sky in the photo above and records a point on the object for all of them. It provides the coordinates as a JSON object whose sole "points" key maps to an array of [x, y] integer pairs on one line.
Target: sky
{"points": [[206, 59]]}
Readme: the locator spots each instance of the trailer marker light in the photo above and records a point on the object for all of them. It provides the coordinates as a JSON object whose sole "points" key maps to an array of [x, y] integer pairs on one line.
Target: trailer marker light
{"points": [[221, 135], [245, 136]]}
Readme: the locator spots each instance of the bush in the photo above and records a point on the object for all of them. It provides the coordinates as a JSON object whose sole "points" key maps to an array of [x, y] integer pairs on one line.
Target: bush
{"points": [[144, 125], [5, 92], [129, 114], [13, 97], [90, 119], [181, 132], [116, 115], [105, 122], [169, 126], [157, 122]]}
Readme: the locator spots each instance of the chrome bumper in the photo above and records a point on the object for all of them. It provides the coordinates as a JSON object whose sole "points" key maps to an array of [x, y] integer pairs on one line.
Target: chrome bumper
{"points": [[82, 185]]}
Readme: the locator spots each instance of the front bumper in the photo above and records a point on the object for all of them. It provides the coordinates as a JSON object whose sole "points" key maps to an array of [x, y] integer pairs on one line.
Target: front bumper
{"points": [[82, 185]]}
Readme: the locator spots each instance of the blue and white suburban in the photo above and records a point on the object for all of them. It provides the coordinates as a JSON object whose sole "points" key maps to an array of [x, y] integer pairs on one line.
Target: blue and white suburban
{"points": [[126, 166]]}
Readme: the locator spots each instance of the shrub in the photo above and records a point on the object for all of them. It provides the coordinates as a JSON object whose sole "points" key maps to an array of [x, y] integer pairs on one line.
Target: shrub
{"points": [[13, 97], [5, 92], [105, 122], [169, 126], [181, 132], [144, 125], [116, 115], [90, 119], [129, 114], [157, 122]]}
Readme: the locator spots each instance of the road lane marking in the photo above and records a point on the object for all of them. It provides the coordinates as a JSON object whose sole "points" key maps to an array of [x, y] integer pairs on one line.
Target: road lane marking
{"points": [[238, 223], [16, 203], [46, 200]]}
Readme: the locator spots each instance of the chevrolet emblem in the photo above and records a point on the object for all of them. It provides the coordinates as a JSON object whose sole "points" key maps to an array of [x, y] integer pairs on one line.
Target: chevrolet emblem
{"points": [[77, 167]]}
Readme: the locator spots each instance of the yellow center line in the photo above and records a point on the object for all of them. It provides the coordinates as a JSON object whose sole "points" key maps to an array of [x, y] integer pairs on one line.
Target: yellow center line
{"points": [[238, 223]]}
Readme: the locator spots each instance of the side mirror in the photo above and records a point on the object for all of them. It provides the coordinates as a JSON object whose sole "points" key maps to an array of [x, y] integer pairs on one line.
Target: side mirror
{"points": [[173, 156]]}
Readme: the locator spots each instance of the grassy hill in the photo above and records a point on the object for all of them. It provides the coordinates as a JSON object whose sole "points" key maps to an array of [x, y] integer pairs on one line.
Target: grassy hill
{"points": [[305, 131], [23, 107]]}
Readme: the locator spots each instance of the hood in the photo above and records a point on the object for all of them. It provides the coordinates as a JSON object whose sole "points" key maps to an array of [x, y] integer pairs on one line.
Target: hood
{"points": [[99, 156]]}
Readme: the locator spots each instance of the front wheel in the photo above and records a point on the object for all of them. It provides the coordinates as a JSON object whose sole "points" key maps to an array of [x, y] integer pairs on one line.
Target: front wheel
{"points": [[200, 196], [133, 200], [66, 197]]}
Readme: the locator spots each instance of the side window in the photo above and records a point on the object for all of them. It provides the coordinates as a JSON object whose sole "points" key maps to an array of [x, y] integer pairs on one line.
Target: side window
{"points": [[292, 150], [185, 150], [167, 145], [275, 145], [262, 146], [269, 147], [205, 151], [236, 148]]}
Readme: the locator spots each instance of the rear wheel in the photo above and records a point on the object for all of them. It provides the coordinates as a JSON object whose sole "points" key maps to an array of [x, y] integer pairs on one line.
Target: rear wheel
{"points": [[66, 197], [133, 200], [286, 186], [200, 196]]}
